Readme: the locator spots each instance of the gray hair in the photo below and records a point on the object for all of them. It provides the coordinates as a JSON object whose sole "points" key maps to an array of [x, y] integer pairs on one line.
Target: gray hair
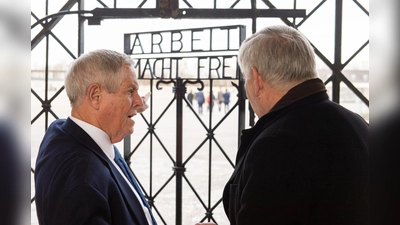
{"points": [[103, 67], [281, 54]]}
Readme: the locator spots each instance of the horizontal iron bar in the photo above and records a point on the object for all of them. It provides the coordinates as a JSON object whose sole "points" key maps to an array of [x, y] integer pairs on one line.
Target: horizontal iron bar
{"points": [[228, 27], [115, 13], [240, 13]]}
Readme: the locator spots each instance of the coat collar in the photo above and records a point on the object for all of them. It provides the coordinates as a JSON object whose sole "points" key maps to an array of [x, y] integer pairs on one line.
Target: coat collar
{"points": [[304, 93], [300, 91]]}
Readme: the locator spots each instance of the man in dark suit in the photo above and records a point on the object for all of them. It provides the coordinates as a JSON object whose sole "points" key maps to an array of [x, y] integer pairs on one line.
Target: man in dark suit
{"points": [[77, 180], [305, 160]]}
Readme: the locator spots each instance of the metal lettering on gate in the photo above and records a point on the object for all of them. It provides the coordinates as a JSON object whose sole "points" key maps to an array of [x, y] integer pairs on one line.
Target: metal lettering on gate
{"points": [[200, 57]]}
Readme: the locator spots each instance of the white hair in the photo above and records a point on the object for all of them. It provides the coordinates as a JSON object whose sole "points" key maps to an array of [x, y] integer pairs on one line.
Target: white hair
{"points": [[103, 67], [281, 55]]}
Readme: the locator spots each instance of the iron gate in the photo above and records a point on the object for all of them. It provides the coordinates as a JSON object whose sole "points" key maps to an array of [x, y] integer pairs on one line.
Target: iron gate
{"points": [[161, 59], [337, 76]]}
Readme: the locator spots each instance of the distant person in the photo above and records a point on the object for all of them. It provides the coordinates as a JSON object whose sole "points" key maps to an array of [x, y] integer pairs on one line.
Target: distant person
{"points": [[200, 101], [226, 98], [210, 102], [80, 176], [220, 99], [190, 97], [305, 161]]}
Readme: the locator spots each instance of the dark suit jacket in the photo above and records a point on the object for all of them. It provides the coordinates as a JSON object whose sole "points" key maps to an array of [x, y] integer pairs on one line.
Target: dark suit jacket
{"points": [[76, 183], [305, 163]]}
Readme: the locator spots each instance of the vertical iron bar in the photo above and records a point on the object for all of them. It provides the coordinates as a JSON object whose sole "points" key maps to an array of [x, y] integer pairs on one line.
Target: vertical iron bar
{"points": [[127, 138], [338, 51], [179, 169], [254, 30], [210, 135], [254, 16], [151, 144], [81, 29], [242, 93], [294, 18], [46, 73]]}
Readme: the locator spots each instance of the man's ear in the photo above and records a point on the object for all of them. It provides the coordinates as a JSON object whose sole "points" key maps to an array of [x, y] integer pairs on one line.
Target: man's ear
{"points": [[258, 83], [94, 95]]}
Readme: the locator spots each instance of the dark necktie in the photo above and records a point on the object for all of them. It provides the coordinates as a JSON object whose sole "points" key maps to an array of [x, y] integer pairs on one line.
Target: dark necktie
{"points": [[126, 170]]}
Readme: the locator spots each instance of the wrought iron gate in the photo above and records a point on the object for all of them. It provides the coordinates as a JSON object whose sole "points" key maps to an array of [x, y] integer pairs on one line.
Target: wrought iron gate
{"points": [[150, 139], [210, 55]]}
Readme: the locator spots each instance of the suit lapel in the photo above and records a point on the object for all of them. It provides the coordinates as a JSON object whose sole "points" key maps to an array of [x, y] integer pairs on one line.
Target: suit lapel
{"points": [[130, 198]]}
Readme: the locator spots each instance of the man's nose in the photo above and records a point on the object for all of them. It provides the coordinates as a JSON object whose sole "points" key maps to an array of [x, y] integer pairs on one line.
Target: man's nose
{"points": [[138, 101]]}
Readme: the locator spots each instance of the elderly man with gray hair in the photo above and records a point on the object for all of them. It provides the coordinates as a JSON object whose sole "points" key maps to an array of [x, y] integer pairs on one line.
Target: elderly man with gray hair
{"points": [[80, 176], [305, 159]]}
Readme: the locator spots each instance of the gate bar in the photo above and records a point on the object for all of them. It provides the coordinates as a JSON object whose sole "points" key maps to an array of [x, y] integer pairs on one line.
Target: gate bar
{"points": [[179, 168]]}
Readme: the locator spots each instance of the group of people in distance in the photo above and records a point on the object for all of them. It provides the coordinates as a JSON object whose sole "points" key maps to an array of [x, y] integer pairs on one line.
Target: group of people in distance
{"points": [[210, 100], [305, 161]]}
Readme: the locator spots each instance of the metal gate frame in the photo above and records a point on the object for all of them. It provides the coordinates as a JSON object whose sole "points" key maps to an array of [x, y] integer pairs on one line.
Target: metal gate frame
{"points": [[172, 9], [179, 90]]}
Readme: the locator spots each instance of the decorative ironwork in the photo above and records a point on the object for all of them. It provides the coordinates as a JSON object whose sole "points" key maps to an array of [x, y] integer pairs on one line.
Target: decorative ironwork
{"points": [[172, 47], [184, 9]]}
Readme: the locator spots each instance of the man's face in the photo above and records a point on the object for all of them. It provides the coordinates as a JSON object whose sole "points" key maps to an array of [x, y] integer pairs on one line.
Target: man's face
{"points": [[119, 108]]}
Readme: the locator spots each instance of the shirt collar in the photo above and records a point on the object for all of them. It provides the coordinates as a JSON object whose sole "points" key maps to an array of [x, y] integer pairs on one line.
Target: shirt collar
{"points": [[98, 136]]}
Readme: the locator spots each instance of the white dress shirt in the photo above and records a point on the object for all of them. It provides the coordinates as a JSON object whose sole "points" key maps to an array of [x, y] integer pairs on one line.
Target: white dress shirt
{"points": [[103, 141]]}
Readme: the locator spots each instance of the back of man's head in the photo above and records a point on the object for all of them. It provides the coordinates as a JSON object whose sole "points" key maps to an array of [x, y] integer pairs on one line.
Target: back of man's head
{"points": [[281, 54]]}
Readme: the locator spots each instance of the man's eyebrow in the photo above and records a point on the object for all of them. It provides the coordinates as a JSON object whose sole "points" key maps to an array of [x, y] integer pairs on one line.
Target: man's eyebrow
{"points": [[134, 86]]}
